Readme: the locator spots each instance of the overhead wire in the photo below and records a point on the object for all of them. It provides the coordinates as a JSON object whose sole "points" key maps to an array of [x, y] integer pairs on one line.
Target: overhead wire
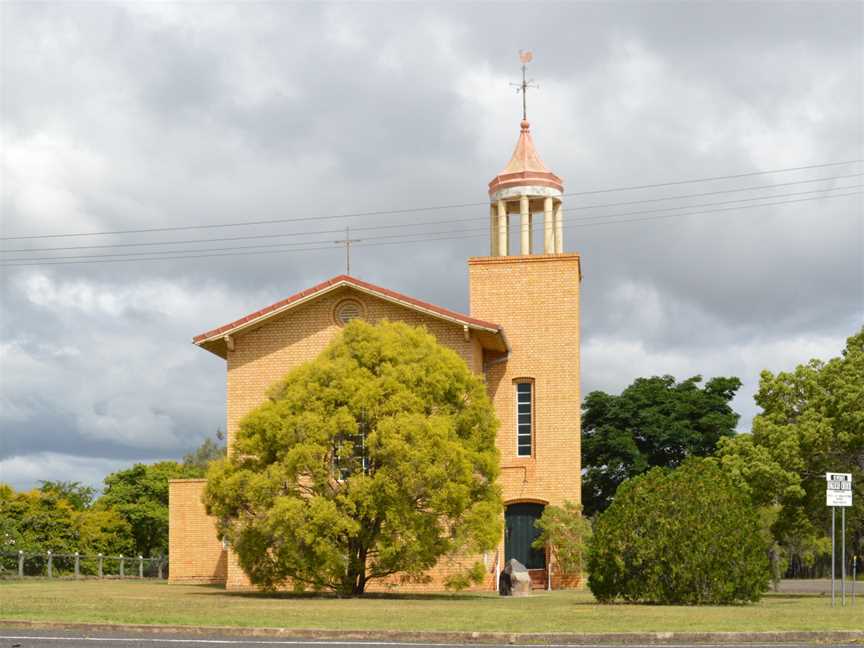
{"points": [[126, 256], [470, 219], [413, 209]]}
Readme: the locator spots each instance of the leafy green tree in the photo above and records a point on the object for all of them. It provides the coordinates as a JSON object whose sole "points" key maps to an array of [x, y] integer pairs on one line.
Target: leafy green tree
{"points": [[140, 495], [37, 521], [78, 495], [566, 533], [684, 536], [105, 531], [812, 422], [654, 422], [377, 458], [209, 451]]}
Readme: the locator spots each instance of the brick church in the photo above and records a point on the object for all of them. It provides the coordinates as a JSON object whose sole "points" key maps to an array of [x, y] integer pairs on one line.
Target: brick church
{"points": [[521, 335]]}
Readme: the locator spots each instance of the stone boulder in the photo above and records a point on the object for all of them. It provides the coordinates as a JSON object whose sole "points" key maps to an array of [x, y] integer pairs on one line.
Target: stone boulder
{"points": [[520, 579]]}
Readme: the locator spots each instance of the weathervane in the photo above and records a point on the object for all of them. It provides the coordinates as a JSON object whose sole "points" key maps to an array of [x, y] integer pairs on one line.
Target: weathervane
{"points": [[526, 57], [347, 241]]}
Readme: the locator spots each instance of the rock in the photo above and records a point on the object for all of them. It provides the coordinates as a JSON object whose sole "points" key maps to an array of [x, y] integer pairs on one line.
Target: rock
{"points": [[520, 579]]}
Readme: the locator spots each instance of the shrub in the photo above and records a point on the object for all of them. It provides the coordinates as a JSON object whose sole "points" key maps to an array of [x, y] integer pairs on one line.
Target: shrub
{"points": [[566, 533], [684, 536]]}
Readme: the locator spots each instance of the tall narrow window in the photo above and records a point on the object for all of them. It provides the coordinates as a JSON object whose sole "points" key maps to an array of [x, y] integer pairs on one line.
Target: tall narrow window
{"points": [[349, 453], [524, 397]]}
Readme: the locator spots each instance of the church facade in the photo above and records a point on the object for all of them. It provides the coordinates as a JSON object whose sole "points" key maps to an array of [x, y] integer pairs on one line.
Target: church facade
{"points": [[521, 335]]}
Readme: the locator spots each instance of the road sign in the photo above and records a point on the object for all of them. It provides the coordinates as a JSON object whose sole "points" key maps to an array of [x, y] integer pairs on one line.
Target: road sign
{"points": [[838, 489]]}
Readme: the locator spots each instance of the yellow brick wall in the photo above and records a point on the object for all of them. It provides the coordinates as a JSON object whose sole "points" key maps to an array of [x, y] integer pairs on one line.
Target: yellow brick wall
{"points": [[263, 356], [536, 299], [196, 554]]}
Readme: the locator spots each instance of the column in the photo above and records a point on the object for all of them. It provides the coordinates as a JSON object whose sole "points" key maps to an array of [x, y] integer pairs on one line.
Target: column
{"points": [[548, 227], [503, 242], [493, 230], [559, 228], [526, 225]]}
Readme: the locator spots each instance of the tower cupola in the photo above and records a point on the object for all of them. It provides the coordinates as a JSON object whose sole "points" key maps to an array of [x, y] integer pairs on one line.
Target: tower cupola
{"points": [[526, 187]]}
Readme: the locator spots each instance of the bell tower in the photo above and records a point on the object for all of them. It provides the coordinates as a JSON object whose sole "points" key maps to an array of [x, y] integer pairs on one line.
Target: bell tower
{"points": [[534, 295], [526, 187]]}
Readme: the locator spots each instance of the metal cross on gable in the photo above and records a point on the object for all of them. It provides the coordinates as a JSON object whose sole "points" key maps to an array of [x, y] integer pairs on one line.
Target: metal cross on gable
{"points": [[526, 57], [347, 241]]}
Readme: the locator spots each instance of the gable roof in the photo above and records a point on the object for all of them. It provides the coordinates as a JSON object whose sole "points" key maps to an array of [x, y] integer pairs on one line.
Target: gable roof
{"points": [[218, 335]]}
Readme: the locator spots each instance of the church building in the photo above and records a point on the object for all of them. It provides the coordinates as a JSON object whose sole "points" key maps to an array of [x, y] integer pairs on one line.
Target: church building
{"points": [[521, 335]]}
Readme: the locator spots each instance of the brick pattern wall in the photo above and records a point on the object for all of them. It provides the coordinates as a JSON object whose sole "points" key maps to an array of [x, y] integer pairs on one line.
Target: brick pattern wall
{"points": [[264, 355], [196, 554], [536, 299]]}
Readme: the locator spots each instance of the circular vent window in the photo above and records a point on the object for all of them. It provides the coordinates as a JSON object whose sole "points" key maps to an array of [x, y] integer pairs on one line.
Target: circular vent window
{"points": [[348, 310]]}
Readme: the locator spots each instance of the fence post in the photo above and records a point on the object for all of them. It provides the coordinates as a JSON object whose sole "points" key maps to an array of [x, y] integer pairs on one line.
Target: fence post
{"points": [[100, 565], [20, 564], [121, 565], [140, 566], [160, 568], [77, 565], [50, 565]]}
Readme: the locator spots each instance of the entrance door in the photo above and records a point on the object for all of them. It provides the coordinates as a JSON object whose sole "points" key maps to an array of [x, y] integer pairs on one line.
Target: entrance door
{"points": [[520, 532]]}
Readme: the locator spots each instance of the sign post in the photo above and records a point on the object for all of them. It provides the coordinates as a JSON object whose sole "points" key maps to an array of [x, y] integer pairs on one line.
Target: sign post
{"points": [[838, 493]]}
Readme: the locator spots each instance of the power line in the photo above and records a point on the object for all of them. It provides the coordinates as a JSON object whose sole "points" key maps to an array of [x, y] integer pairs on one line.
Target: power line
{"points": [[412, 209], [714, 211], [716, 193], [727, 177], [52, 260], [605, 217], [722, 202], [578, 208]]}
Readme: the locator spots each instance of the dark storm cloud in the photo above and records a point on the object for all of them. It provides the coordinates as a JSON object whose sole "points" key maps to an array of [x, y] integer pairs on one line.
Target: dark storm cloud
{"points": [[123, 116]]}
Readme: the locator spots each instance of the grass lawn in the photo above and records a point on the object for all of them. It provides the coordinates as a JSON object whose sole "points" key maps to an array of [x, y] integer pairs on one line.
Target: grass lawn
{"points": [[164, 603]]}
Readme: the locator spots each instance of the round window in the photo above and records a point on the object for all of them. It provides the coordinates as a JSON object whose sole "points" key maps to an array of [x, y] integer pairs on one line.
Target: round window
{"points": [[348, 310]]}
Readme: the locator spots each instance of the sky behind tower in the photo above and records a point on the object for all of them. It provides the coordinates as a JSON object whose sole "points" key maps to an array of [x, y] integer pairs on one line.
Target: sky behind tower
{"points": [[132, 116]]}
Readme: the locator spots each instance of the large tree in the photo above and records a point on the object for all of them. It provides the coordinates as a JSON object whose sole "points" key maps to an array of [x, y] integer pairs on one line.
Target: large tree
{"points": [[812, 422], [377, 458], [654, 422], [140, 495]]}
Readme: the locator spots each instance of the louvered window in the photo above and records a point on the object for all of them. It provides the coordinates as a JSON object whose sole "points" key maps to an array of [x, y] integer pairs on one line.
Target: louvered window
{"points": [[524, 421], [348, 310]]}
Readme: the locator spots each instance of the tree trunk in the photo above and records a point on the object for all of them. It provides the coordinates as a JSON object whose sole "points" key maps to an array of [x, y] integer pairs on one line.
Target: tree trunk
{"points": [[360, 582]]}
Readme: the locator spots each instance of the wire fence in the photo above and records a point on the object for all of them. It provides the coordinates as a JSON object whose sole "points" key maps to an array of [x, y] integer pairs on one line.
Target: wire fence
{"points": [[23, 564]]}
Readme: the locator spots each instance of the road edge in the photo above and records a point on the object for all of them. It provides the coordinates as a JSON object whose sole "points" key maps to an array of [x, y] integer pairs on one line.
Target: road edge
{"points": [[454, 637]]}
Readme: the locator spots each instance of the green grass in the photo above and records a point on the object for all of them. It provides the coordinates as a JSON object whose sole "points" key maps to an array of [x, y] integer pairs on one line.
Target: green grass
{"points": [[164, 603]]}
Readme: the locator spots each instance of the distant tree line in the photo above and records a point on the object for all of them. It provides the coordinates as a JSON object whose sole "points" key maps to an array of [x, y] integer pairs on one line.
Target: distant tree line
{"points": [[129, 517]]}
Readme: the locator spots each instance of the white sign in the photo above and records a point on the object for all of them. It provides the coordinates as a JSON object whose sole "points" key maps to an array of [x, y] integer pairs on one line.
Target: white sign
{"points": [[839, 489]]}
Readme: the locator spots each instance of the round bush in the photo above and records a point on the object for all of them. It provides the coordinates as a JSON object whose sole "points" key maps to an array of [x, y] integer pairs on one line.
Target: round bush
{"points": [[684, 536]]}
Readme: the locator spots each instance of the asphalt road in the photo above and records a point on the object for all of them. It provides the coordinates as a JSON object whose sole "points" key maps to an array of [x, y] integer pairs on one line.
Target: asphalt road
{"points": [[42, 639]]}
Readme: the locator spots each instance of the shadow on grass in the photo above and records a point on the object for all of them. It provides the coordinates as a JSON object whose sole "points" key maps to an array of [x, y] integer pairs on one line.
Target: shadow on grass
{"points": [[210, 589]]}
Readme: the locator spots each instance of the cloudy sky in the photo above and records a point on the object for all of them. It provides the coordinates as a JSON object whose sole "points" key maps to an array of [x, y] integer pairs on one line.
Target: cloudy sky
{"points": [[157, 115]]}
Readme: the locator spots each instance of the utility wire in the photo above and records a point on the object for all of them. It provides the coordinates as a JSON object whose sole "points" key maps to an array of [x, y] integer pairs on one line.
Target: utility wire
{"points": [[712, 204], [53, 261], [412, 209], [715, 193], [464, 220]]}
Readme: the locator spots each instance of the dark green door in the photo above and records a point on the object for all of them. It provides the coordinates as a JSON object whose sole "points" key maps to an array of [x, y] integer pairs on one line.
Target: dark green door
{"points": [[520, 532]]}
